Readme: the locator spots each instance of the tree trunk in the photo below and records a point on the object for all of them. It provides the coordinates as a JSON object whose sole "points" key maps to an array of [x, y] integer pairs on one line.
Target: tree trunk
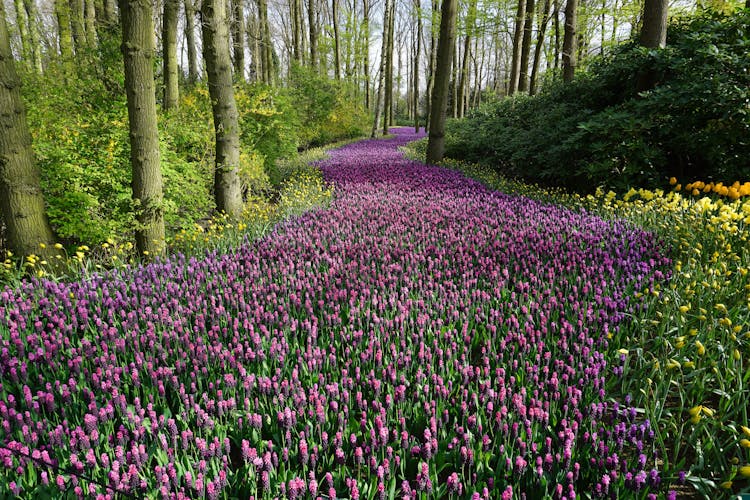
{"points": [[538, 48], [265, 43], [381, 73], [227, 187], [313, 33], [65, 37], [238, 39], [463, 80], [23, 30], [515, 65], [21, 200], [77, 25], [523, 72], [454, 80], [194, 71], [336, 41], [169, 54], [417, 53], [433, 63], [253, 43], [654, 30], [110, 12], [557, 36], [570, 41], [388, 91], [436, 141], [137, 49], [36, 48], [90, 20]]}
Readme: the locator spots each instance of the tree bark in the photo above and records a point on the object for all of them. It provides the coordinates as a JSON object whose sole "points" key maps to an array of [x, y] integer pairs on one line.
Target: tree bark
{"points": [[366, 61], [417, 53], [238, 39], [169, 55], [194, 72], [463, 80], [654, 30], [388, 90], [23, 30], [265, 43], [137, 49], [90, 21], [381, 73], [65, 36], [227, 186], [36, 48], [433, 62], [436, 141], [515, 65], [336, 41], [538, 48], [570, 41], [21, 199], [528, 26], [253, 43], [77, 25], [313, 33]]}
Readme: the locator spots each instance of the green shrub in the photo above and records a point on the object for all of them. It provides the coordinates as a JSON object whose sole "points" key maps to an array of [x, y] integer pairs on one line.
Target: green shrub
{"points": [[600, 131]]}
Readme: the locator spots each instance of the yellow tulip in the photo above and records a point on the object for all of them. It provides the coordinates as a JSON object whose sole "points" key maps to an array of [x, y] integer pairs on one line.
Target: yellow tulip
{"points": [[745, 471], [726, 485], [695, 410], [672, 181], [700, 348], [745, 430], [745, 443]]}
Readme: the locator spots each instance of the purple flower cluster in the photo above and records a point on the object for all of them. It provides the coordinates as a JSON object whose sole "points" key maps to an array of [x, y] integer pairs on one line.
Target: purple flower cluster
{"points": [[424, 334]]}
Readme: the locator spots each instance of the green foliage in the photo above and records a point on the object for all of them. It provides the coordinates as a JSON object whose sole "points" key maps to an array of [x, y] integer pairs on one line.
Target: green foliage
{"points": [[691, 122], [326, 110]]}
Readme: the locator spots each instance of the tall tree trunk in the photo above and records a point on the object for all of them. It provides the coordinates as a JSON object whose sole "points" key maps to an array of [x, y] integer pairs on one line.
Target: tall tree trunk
{"points": [[110, 12], [265, 43], [194, 71], [381, 73], [227, 187], [36, 47], [238, 39], [65, 36], [77, 25], [90, 20], [23, 30], [253, 42], [313, 32], [463, 80], [557, 35], [417, 53], [538, 48], [454, 80], [388, 91], [523, 72], [296, 29], [654, 30], [169, 54], [436, 141], [570, 41], [515, 65], [21, 200], [137, 49], [433, 62], [336, 40], [366, 49]]}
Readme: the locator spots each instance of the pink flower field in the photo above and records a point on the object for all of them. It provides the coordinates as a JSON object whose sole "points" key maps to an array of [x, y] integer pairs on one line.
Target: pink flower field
{"points": [[423, 337]]}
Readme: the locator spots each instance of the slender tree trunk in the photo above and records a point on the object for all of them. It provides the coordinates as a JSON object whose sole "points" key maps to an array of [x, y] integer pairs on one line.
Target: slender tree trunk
{"points": [[557, 36], [238, 39], [227, 187], [253, 42], [336, 40], [21, 200], [654, 30], [65, 36], [110, 12], [90, 20], [23, 30], [436, 141], [366, 49], [454, 79], [266, 48], [381, 73], [538, 48], [169, 54], [433, 62], [77, 25], [523, 72], [194, 71], [36, 48], [313, 31], [137, 49], [515, 65], [388, 91], [464, 77], [417, 53], [570, 41]]}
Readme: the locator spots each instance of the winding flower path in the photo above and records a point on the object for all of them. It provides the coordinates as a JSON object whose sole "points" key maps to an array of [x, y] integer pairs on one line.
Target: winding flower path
{"points": [[422, 336]]}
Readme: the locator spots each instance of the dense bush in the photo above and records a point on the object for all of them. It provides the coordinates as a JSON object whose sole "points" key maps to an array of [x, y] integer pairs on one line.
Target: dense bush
{"points": [[692, 121]]}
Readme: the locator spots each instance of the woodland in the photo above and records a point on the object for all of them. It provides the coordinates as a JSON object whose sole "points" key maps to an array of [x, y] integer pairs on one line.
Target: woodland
{"points": [[374, 249]]}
